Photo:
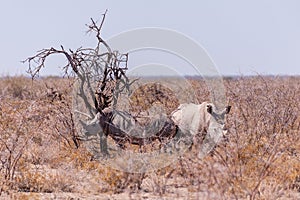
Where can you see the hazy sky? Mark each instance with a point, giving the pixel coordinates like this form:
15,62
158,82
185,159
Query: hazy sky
241,37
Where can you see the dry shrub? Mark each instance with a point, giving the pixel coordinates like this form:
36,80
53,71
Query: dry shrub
265,130
261,156
201,90
39,178
81,160
39,144
258,160
27,129
153,93
16,88
15,135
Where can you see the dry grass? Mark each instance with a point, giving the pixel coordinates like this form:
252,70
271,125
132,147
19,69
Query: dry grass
260,159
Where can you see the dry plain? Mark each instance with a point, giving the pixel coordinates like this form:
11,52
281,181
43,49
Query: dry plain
43,158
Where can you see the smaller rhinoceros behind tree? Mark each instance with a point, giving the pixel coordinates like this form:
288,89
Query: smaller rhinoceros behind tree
122,127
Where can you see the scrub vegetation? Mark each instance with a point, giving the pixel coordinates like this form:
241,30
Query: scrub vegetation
42,155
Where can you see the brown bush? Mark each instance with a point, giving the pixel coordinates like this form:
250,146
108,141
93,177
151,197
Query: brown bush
258,160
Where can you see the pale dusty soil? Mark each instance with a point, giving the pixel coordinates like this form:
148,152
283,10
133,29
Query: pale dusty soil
183,194
180,194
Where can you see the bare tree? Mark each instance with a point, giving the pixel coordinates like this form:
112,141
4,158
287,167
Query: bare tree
102,72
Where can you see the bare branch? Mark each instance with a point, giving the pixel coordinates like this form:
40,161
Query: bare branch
74,60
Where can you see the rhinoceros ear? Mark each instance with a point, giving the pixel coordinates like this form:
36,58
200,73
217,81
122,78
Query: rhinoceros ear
227,109
209,108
